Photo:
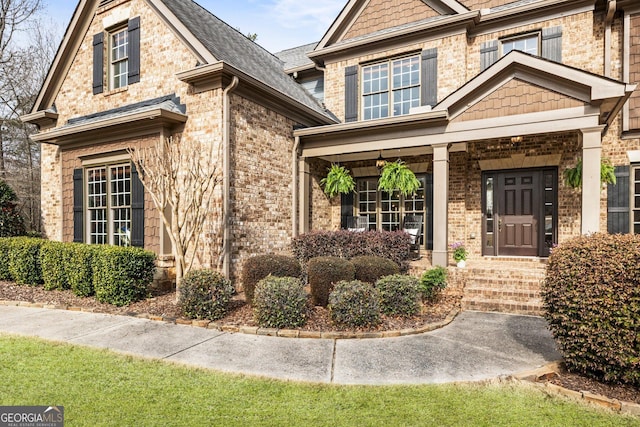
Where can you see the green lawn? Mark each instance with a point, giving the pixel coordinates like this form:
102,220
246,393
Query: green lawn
100,388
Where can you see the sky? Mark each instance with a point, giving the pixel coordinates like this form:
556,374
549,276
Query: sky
280,24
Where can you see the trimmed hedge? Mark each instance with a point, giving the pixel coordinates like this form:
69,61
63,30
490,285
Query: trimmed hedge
54,259
323,273
121,275
80,273
5,248
24,260
432,282
280,302
370,268
205,294
258,267
591,296
399,295
354,304
393,245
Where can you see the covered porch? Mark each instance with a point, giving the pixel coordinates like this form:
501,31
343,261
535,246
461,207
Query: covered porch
490,157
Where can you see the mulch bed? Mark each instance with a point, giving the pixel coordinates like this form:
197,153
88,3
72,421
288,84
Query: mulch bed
164,305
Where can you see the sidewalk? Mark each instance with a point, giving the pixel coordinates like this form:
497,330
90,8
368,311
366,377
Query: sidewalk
475,346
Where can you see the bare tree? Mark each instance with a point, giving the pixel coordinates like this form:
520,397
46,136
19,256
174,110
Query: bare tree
180,175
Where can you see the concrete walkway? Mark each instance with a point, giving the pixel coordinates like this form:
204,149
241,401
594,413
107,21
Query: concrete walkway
475,346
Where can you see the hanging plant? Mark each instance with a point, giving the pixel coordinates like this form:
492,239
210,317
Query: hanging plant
337,181
397,176
573,176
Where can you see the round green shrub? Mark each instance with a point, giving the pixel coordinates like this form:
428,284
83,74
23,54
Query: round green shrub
205,294
432,282
258,267
370,268
591,297
80,274
354,304
399,295
5,248
280,302
323,273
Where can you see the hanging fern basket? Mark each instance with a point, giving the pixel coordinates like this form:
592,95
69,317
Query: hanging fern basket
573,176
337,181
396,176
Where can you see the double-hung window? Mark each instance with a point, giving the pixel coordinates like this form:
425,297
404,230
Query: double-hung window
391,87
118,58
109,204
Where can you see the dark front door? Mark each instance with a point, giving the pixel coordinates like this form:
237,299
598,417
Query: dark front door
519,212
519,200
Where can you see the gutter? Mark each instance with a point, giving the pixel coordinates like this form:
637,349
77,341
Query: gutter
226,178
611,11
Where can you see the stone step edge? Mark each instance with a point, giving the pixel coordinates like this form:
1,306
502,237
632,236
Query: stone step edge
255,330
539,378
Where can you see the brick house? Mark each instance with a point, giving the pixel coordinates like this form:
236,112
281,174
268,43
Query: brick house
487,101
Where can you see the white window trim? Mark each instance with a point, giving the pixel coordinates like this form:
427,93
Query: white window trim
536,34
110,59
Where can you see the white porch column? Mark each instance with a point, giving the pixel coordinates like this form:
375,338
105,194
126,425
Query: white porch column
440,204
591,186
303,195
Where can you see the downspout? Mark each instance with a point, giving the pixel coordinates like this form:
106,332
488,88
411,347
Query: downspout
294,186
611,11
226,178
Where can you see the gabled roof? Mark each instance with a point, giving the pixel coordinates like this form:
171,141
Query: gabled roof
210,39
605,93
354,8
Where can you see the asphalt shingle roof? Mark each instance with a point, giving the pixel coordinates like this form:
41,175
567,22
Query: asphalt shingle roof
296,57
168,102
232,47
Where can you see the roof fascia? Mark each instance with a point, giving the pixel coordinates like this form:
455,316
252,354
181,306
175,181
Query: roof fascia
453,5
182,32
342,22
140,121
73,37
219,74
526,14
450,25
43,119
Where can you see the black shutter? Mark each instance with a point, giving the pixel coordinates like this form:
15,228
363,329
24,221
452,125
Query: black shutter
137,209
78,205
552,43
618,202
488,54
346,208
134,50
430,77
98,63
351,94
429,216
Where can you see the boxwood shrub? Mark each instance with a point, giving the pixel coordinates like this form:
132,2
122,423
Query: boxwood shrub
55,262
5,247
280,302
354,304
258,267
591,296
323,273
121,275
432,282
393,245
370,268
205,294
80,275
24,260
399,295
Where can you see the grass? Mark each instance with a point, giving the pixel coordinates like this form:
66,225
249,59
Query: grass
100,388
